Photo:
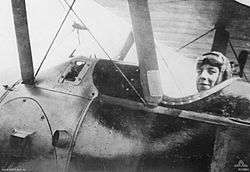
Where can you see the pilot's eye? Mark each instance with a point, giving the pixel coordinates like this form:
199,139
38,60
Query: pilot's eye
199,71
212,71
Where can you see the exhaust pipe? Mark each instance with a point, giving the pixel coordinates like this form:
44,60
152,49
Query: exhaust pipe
23,41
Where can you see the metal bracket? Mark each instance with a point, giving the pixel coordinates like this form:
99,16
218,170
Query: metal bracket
20,142
80,76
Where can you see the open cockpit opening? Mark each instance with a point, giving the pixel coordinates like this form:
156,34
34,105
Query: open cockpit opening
74,70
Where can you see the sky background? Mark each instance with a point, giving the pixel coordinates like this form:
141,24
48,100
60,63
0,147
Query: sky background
44,18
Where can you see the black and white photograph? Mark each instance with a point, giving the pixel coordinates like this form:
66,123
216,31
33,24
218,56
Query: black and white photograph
124,86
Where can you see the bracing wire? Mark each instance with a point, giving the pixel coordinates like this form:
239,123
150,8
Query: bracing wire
7,91
67,36
189,43
102,48
78,34
45,115
235,54
64,8
76,132
61,4
52,42
199,37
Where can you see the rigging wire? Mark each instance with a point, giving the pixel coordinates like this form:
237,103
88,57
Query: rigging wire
62,4
46,117
51,44
8,90
195,39
67,36
235,54
84,113
189,43
78,34
64,8
105,52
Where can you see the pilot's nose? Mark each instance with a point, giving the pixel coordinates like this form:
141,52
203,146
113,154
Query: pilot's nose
204,75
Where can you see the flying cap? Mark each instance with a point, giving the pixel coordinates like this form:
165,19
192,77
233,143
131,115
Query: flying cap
216,59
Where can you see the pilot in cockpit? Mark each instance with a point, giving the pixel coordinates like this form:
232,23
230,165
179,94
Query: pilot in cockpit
212,68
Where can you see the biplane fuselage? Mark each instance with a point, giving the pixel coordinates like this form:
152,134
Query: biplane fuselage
31,115
84,115
56,103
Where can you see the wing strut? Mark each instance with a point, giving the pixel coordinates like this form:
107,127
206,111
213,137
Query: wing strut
23,41
223,156
221,39
128,44
145,46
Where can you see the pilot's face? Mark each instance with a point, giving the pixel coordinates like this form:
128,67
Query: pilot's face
207,76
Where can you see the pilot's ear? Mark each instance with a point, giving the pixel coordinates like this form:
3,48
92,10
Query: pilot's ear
226,75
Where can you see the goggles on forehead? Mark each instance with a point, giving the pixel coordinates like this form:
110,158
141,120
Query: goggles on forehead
212,58
216,59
